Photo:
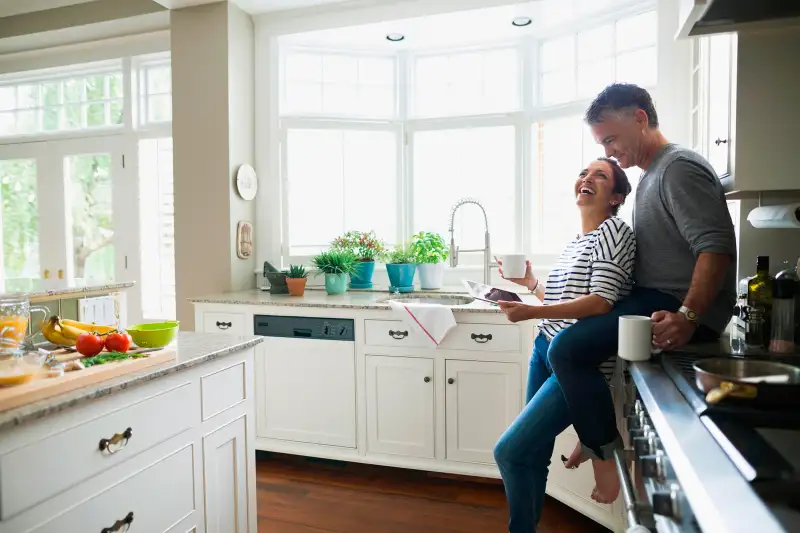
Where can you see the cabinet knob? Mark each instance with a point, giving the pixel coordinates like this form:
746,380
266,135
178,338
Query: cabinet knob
720,141
116,443
120,525
450,381
427,379
667,502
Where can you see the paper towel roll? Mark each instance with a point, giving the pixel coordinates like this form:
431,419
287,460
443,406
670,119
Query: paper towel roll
775,216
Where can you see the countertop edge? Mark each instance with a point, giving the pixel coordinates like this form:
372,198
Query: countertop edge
706,474
51,406
49,294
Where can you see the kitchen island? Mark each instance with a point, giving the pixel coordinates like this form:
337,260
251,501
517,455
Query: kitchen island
167,448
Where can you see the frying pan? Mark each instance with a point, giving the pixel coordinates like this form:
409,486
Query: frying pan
762,383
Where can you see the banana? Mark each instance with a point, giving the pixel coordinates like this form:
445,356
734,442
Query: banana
94,328
53,332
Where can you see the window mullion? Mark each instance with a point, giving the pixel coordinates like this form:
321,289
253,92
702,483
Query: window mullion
529,69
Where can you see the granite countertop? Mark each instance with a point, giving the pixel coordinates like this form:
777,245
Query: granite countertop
192,349
362,300
41,295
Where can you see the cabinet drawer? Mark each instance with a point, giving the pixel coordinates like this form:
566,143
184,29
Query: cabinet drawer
153,500
38,471
482,337
224,323
222,390
393,333
479,337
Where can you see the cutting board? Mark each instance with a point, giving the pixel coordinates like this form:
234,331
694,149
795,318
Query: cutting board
43,387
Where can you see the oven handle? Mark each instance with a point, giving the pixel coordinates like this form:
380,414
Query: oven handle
628,496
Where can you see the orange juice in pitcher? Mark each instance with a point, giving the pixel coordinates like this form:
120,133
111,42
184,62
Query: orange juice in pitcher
15,312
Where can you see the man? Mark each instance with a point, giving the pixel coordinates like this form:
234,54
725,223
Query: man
685,269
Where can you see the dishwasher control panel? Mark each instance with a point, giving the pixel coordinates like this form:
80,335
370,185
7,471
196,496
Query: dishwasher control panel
299,327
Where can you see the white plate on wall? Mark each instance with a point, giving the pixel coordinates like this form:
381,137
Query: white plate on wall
246,182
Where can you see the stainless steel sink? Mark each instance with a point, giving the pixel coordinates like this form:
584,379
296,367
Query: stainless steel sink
450,300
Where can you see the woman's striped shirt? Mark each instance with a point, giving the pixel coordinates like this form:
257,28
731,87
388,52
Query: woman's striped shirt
599,262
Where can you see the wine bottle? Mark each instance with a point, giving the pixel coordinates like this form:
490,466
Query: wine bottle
759,298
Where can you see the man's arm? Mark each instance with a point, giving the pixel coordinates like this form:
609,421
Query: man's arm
691,194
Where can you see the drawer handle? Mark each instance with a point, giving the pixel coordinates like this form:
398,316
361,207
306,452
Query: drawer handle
116,443
120,525
399,335
224,325
480,338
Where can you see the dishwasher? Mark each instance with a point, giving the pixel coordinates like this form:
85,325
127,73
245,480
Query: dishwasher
306,385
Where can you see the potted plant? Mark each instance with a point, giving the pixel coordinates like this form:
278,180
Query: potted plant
296,278
430,252
336,265
401,267
366,247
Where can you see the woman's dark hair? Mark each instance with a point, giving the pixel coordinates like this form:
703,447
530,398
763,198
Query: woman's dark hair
621,183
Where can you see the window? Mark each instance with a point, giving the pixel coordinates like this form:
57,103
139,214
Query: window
579,66
155,90
339,180
19,222
502,124
157,216
61,103
469,83
339,85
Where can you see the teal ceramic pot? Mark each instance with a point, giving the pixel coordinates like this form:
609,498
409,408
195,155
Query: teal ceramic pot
401,277
336,283
362,277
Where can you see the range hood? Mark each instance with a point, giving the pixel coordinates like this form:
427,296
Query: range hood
704,17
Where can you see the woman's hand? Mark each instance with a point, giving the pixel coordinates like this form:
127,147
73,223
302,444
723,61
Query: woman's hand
529,281
517,312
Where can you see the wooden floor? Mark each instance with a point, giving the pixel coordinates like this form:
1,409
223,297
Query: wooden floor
298,495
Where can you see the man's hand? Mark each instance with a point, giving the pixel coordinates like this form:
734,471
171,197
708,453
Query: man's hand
516,311
671,330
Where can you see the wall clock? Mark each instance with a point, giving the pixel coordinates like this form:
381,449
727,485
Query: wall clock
246,182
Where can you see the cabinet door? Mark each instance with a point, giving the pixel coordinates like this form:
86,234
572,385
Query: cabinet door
309,391
482,399
225,467
400,406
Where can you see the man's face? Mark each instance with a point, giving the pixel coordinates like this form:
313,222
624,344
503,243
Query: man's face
620,134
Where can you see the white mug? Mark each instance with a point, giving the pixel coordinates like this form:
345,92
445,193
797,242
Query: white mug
513,265
635,338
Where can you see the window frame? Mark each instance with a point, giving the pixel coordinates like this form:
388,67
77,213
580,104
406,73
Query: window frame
528,182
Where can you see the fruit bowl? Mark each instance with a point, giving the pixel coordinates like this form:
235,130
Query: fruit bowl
153,334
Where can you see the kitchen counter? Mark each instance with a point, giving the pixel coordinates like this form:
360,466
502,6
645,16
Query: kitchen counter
193,349
722,499
43,295
349,300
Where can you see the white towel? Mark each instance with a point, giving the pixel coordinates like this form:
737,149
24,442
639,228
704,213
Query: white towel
431,321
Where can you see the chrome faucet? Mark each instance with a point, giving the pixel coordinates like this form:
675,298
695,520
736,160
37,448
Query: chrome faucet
454,250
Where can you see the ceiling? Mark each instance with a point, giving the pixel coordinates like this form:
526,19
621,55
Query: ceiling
9,8
461,28
266,6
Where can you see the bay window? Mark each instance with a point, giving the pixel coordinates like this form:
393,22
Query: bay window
391,142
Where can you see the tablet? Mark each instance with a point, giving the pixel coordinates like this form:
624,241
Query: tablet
488,294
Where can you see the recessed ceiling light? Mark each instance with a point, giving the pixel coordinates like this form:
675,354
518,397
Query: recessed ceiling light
521,21
395,37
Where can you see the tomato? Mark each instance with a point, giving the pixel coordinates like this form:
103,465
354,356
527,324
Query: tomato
118,342
89,344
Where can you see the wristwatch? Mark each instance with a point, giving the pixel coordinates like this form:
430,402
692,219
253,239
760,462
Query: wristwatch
690,315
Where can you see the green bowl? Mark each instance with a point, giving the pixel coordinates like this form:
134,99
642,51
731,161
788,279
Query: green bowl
153,334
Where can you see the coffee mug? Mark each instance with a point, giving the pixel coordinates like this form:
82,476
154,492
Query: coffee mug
514,265
636,338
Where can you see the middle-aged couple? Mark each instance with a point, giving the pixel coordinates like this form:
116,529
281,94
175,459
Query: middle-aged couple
676,265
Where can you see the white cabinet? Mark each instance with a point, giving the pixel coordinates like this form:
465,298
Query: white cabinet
225,467
307,391
482,399
400,408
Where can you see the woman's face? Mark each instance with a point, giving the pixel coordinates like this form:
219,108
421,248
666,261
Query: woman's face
594,188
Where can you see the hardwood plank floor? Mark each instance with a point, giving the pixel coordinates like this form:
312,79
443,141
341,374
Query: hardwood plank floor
299,495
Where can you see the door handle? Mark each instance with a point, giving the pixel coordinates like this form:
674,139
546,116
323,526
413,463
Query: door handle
224,325
480,338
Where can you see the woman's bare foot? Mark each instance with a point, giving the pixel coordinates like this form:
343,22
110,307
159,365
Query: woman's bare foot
575,458
606,481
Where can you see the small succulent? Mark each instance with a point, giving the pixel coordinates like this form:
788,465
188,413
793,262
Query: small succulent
335,262
296,272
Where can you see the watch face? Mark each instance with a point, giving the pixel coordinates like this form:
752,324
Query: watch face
691,315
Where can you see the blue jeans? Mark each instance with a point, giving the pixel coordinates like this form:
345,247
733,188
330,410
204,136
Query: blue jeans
523,451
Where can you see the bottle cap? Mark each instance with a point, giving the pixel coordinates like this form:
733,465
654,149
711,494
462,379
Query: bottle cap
762,263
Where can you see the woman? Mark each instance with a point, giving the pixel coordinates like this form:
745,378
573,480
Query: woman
592,273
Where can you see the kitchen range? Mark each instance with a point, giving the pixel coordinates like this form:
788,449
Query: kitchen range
728,467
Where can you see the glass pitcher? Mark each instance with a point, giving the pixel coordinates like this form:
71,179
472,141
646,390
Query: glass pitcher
15,315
